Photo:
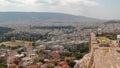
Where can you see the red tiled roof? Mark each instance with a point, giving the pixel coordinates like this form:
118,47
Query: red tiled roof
12,53
2,58
63,63
12,60
20,63
65,66
55,60
58,67
12,65
33,66
55,54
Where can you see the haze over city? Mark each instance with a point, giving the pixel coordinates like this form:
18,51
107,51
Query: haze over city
59,34
101,9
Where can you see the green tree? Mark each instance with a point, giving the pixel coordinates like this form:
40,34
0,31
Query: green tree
2,65
71,63
55,63
50,66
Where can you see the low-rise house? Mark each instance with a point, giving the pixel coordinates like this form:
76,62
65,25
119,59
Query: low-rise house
47,65
19,55
27,61
3,58
15,62
55,54
41,56
12,52
33,66
42,47
55,60
33,55
69,58
64,64
29,49
58,47
12,65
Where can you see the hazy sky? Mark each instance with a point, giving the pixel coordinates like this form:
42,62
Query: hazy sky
103,9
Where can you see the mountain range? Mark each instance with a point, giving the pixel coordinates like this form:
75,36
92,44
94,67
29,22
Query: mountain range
43,16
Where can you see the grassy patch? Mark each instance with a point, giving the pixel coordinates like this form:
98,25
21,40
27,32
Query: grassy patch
103,39
13,44
2,66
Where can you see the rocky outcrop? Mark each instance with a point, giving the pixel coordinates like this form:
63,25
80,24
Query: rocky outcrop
85,62
100,57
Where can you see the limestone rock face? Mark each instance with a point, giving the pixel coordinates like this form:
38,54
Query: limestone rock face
84,62
100,57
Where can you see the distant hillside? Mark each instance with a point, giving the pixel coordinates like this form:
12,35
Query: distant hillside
5,30
42,16
112,22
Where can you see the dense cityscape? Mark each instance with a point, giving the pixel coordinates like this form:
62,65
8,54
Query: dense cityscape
49,47
59,34
35,46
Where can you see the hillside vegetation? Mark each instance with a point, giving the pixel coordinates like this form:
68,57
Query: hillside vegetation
5,30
